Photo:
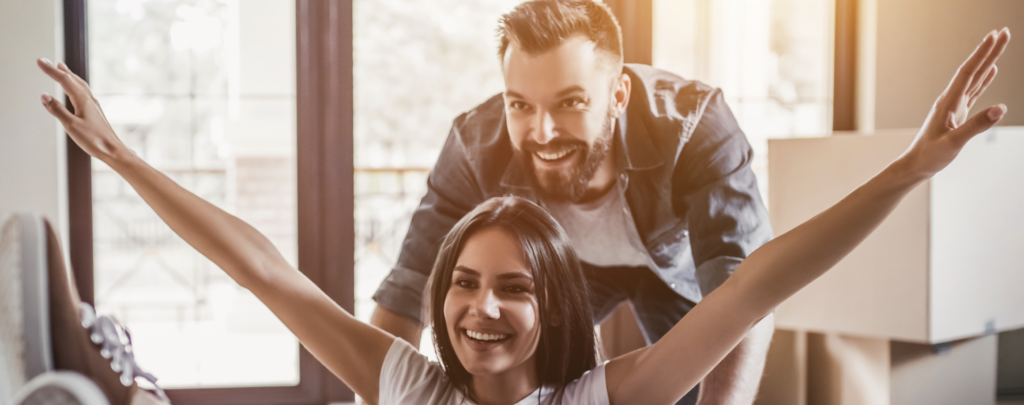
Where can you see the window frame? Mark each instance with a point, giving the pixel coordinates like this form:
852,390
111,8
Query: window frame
324,187
844,66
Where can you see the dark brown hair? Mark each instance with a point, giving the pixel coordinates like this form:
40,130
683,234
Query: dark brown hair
567,348
541,25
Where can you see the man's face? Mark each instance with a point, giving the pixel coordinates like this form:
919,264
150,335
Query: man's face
560,107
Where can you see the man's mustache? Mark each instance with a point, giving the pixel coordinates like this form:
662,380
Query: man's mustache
555,145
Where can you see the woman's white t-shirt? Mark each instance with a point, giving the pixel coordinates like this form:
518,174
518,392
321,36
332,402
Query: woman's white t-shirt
407,377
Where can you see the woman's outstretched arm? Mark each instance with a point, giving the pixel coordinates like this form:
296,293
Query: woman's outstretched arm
352,350
665,371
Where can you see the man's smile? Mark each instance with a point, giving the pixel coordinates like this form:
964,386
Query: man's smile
555,158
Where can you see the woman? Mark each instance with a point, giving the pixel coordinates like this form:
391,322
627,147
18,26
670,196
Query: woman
508,304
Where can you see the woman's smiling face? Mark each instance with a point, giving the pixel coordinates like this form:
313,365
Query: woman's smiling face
491,307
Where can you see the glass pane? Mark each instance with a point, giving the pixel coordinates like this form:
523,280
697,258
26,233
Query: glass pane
203,90
417,66
772,60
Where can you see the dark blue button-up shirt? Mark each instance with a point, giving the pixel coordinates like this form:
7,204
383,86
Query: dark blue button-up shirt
689,186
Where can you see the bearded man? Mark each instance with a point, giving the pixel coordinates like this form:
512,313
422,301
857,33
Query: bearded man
648,173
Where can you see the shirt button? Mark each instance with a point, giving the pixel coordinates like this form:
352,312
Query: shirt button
673,285
686,233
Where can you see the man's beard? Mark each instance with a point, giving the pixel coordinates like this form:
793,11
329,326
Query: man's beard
568,185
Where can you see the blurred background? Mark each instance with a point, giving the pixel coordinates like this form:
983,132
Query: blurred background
206,91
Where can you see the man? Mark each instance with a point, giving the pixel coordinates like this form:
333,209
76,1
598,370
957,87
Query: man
648,173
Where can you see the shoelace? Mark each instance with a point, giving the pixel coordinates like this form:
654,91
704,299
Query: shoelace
116,345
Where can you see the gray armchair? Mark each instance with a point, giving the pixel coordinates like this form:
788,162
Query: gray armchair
27,375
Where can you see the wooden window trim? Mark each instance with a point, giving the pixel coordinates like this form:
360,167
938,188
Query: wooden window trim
620,332
636,18
844,77
325,187
76,51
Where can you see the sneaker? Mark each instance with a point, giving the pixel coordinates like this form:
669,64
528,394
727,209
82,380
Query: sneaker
97,347
25,350
60,388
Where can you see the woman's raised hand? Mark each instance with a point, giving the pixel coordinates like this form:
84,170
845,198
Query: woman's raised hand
947,129
352,350
88,127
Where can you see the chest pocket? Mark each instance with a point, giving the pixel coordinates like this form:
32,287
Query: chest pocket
671,248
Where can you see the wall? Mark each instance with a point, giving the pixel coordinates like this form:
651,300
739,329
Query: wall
920,44
32,149
917,46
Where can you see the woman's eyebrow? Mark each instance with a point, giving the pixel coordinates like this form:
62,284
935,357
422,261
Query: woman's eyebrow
467,270
512,275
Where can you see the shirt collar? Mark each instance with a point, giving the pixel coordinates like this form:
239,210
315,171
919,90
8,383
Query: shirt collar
635,151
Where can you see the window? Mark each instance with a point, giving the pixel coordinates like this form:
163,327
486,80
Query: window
204,91
238,78
417,66
772,60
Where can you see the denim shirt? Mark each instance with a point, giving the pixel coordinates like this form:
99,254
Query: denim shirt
684,162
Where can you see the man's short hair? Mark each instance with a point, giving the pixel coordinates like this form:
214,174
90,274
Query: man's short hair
541,25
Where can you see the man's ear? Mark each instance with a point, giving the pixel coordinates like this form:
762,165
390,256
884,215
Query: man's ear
620,93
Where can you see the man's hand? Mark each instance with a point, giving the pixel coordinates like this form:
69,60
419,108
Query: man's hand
946,129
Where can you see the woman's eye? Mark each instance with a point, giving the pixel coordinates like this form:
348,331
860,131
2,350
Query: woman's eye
463,283
518,105
515,289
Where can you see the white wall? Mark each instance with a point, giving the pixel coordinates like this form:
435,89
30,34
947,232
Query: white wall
33,175
920,44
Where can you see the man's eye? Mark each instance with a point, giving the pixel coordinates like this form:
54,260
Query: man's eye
572,102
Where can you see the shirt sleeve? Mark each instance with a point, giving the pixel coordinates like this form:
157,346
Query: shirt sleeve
590,389
716,186
452,191
408,375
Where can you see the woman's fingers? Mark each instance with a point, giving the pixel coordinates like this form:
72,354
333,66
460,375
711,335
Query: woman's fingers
973,97
75,92
962,80
57,109
78,79
82,83
984,70
977,124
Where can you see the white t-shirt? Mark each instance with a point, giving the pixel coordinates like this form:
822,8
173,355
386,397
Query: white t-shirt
602,231
407,377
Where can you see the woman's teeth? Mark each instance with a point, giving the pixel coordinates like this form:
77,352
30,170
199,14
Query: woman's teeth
485,336
554,156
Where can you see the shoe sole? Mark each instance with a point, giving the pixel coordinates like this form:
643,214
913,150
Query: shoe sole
61,387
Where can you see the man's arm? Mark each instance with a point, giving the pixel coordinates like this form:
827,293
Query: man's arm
398,325
728,221
735,380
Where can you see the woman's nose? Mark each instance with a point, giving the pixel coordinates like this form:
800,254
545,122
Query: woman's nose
486,305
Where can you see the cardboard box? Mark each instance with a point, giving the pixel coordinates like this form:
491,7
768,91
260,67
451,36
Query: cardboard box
947,264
